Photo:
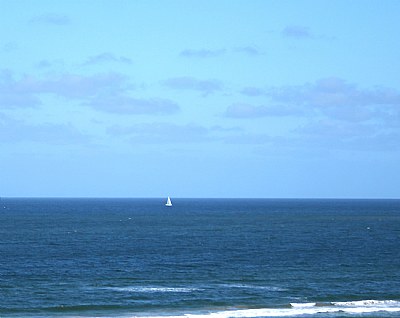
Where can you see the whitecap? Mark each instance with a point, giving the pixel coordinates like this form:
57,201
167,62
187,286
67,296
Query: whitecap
302,305
297,309
152,289
249,286
368,303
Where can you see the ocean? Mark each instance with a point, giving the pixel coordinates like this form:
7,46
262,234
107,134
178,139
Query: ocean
200,258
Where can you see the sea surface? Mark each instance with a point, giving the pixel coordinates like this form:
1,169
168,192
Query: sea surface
201,258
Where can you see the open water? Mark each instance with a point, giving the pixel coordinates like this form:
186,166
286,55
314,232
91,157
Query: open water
200,258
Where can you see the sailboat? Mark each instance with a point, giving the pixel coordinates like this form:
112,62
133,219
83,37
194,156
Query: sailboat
169,203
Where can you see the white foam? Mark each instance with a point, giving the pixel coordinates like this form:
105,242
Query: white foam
145,289
368,303
302,305
249,286
297,309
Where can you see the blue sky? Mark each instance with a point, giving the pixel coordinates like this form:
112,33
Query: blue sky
274,99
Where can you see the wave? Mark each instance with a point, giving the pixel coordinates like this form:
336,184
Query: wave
302,305
256,287
368,303
291,310
163,289
296,309
146,289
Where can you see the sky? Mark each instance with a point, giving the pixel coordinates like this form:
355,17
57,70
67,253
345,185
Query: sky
227,98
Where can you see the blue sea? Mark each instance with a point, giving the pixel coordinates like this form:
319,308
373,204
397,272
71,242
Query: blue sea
200,258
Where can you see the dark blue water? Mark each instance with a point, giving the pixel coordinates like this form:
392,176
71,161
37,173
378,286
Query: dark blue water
201,258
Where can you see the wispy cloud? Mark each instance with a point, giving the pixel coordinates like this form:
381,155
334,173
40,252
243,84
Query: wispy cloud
332,97
13,94
249,139
107,57
129,105
329,113
162,133
251,111
9,47
297,31
109,92
79,86
49,64
12,131
190,83
335,134
303,33
65,85
253,91
52,19
202,53
335,97
249,50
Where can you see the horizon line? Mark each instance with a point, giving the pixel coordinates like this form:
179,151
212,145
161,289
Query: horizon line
200,198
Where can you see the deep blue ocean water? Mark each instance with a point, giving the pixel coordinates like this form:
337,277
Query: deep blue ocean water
201,258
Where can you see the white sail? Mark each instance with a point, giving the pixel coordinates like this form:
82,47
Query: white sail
169,203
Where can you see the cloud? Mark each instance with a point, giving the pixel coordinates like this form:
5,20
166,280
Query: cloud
12,131
249,50
107,92
249,139
331,97
296,31
202,53
251,111
253,91
107,57
51,18
336,98
190,83
335,134
162,133
332,129
129,105
330,114
9,47
206,53
28,88
50,64
302,32
79,86
13,94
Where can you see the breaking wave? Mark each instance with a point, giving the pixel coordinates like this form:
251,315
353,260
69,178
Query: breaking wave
142,289
297,309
